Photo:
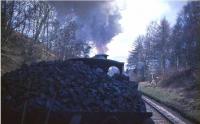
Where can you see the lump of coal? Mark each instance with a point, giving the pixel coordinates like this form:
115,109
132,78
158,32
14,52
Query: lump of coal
71,87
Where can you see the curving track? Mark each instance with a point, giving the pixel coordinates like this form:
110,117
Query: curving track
161,115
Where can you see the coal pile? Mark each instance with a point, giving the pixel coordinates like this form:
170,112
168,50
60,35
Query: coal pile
68,87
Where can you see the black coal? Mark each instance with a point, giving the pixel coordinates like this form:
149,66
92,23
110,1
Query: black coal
71,87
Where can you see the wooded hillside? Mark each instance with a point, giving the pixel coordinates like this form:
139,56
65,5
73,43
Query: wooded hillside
31,32
37,20
21,50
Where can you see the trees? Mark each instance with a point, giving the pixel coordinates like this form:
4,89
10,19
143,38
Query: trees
7,12
152,48
37,20
163,45
191,32
176,47
177,41
186,36
137,56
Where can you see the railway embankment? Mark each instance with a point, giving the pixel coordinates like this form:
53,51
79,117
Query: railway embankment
179,92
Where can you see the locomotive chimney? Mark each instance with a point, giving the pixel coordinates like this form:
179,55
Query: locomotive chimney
101,56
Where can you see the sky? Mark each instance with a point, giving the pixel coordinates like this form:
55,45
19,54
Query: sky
135,17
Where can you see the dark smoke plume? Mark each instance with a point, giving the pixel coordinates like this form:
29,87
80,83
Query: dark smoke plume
97,21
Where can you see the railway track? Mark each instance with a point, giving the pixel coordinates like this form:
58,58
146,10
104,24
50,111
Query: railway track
160,114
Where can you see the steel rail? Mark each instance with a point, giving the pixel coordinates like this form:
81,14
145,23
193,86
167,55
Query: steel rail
164,112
